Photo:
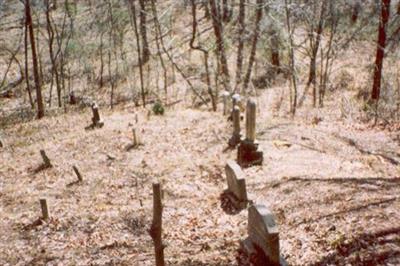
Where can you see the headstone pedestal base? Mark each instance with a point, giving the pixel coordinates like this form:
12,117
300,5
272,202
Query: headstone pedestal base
97,124
248,154
231,204
256,256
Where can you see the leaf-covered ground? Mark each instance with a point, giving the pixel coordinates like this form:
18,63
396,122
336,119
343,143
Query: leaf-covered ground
334,189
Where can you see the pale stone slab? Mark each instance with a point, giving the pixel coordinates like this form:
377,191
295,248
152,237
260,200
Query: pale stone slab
264,232
236,181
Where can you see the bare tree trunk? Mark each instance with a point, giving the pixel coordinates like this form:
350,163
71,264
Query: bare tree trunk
111,81
133,11
356,11
218,31
205,53
254,45
54,70
328,61
112,76
158,35
101,83
206,10
293,100
36,76
226,11
26,54
315,47
156,226
275,60
175,65
239,60
380,51
143,32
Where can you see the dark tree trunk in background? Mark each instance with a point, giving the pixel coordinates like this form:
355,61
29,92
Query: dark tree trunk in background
143,32
314,52
205,53
135,26
356,11
218,31
380,52
101,83
40,111
239,60
54,70
226,11
26,53
254,45
275,60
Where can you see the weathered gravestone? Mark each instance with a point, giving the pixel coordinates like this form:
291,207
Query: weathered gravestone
262,244
96,120
248,153
236,136
234,198
225,97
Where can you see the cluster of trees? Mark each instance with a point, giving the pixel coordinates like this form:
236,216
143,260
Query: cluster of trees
105,42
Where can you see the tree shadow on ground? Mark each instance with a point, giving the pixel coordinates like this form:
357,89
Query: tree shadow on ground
375,181
353,209
350,253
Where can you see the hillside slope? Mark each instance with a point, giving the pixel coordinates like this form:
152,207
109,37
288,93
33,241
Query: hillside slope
332,187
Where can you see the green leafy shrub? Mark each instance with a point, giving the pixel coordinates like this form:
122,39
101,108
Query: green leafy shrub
158,108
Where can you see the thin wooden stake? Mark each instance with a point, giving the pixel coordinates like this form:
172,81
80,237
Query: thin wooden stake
156,226
135,141
46,160
78,174
45,210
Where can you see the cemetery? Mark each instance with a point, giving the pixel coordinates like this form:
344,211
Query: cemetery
213,206
200,132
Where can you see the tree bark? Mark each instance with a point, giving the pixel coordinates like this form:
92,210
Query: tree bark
133,11
158,36
254,45
218,31
239,60
54,70
143,32
356,11
293,96
274,41
26,54
380,51
226,11
156,226
40,111
205,53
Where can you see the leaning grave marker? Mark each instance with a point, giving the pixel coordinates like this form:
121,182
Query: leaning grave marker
262,243
234,198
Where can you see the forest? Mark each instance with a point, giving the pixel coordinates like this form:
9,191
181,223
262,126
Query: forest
200,132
